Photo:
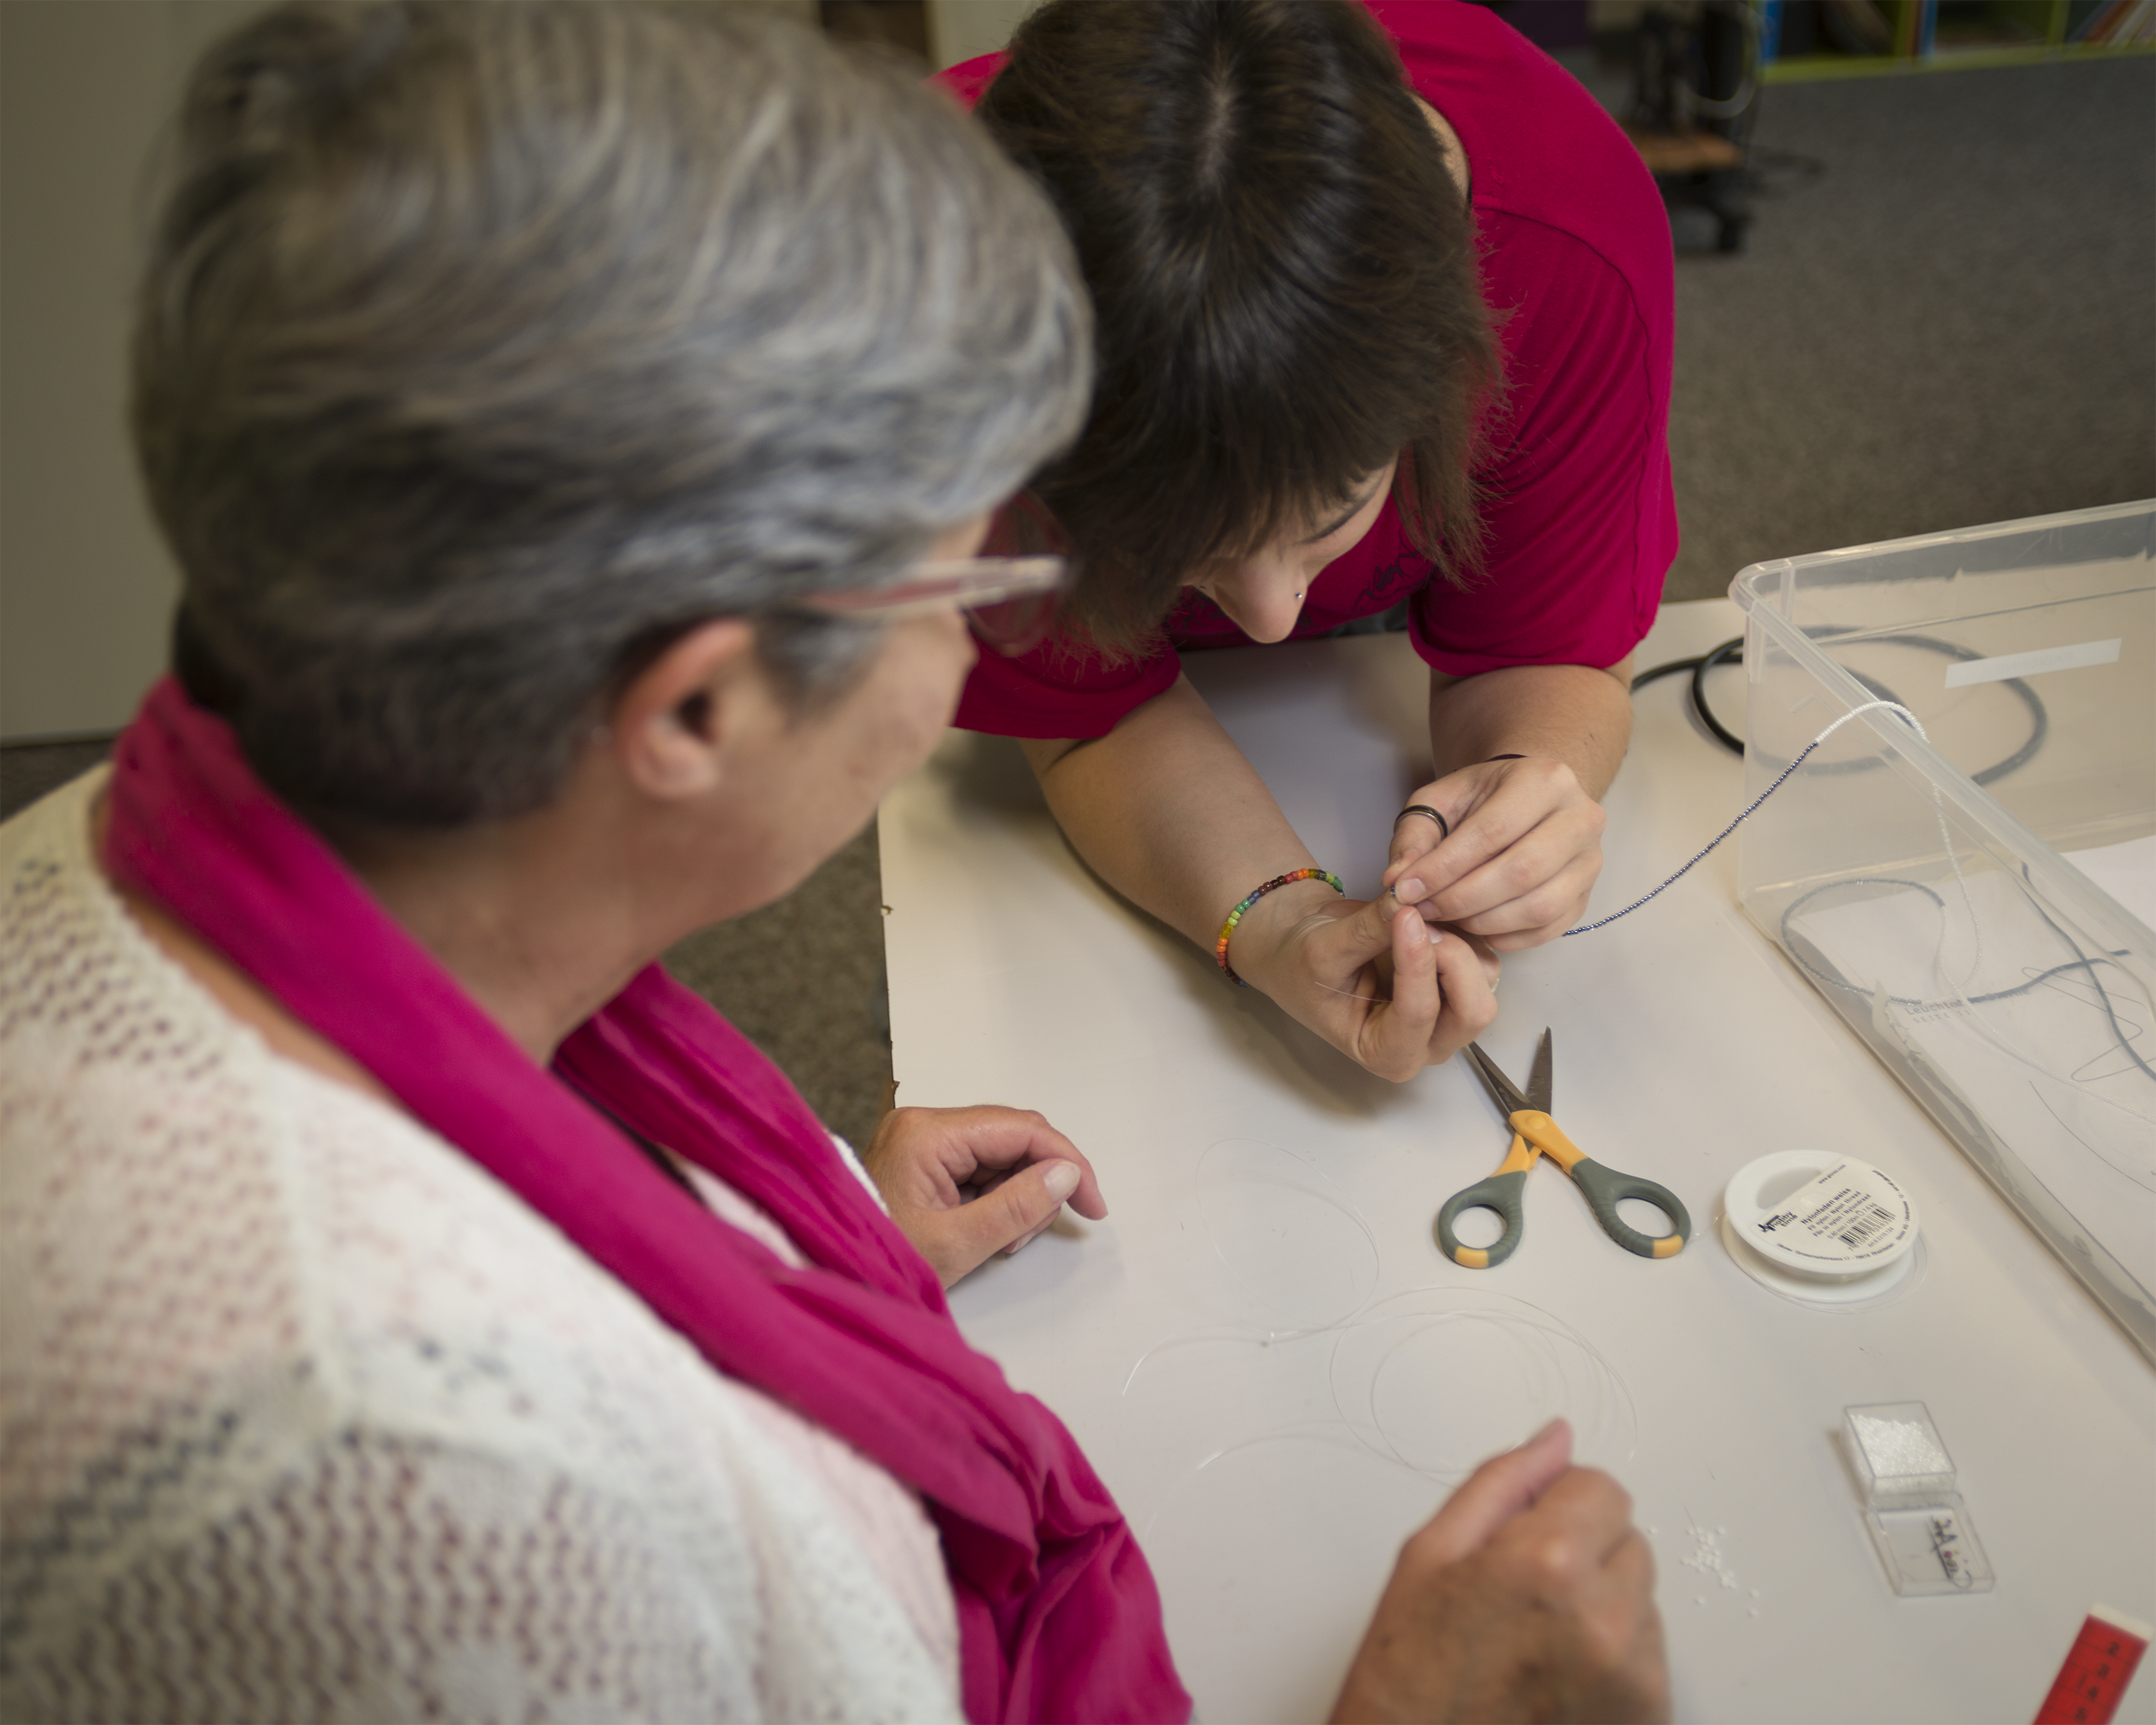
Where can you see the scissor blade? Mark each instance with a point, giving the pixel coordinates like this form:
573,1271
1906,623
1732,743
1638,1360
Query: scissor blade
1502,1091
1539,1076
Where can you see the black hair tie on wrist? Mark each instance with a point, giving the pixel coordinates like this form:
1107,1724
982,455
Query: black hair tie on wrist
1505,757
1443,826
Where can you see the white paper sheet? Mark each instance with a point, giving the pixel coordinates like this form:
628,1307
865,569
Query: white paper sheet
2128,872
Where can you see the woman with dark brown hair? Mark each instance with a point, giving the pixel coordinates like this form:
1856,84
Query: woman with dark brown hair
574,425
1384,307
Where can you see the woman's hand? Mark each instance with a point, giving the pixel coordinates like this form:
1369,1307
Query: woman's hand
1529,1595
965,1184
1371,977
1524,852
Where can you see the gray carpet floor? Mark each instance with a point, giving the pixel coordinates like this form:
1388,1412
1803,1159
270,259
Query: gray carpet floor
1953,323
1945,315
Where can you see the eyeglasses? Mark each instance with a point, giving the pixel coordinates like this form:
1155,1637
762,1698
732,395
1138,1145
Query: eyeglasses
1009,602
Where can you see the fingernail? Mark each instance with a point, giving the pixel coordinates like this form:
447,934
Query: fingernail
1062,1179
1409,891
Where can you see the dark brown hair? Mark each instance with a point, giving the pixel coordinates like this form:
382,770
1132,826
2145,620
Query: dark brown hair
1284,282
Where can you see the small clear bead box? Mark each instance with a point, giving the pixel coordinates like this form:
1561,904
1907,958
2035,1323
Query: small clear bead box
1917,1516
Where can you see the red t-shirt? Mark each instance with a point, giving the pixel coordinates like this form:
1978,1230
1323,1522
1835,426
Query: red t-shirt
1582,515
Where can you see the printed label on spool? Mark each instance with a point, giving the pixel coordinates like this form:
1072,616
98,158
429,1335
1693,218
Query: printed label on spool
1842,1220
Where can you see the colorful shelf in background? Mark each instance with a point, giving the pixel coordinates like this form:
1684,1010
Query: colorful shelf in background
1890,38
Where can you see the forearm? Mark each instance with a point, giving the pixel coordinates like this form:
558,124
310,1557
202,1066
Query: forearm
1166,809
1168,812
1571,713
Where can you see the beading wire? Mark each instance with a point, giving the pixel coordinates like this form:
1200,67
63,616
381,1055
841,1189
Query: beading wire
1868,706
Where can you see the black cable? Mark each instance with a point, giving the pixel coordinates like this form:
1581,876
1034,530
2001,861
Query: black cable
1670,669
2040,720
1731,652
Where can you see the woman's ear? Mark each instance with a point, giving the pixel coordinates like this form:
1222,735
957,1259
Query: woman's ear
669,726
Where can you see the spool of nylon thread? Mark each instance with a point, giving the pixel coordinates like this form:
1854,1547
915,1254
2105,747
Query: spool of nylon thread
1821,1228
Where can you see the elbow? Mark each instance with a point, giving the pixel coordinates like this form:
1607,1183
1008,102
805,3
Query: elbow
1044,753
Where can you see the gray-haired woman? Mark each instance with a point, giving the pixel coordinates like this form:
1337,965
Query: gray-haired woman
567,418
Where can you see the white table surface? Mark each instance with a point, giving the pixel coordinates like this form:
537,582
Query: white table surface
1279,1376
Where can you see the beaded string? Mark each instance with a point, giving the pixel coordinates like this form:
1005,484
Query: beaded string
1895,706
1236,916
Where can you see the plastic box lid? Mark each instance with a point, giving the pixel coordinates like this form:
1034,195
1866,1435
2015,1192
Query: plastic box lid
1962,896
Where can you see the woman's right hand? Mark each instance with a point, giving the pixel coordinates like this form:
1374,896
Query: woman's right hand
1168,811
1382,986
1529,1595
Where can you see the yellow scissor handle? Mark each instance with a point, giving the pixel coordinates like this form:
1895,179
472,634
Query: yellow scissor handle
1535,1133
1538,1129
1605,1187
1522,1155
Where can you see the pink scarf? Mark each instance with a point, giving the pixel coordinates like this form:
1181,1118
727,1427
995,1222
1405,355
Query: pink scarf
1058,1615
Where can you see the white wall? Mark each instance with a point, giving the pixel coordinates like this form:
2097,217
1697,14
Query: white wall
959,29
86,88
85,589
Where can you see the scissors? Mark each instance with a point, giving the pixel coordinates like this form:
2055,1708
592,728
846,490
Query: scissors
1533,1132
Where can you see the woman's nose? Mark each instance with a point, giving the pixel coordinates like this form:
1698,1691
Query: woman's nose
1262,596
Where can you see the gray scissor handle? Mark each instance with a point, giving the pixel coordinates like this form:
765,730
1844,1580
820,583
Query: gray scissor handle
1503,1192
1604,1186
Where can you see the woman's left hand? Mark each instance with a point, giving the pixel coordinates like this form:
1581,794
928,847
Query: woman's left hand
1524,852
965,1184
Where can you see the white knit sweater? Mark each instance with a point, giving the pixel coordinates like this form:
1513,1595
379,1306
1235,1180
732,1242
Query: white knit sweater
304,1416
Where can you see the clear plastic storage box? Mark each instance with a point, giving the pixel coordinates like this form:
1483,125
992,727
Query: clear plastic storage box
1976,900
1917,1516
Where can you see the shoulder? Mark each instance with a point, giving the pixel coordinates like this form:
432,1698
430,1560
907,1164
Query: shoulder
1555,291
1589,363
1541,150
274,1347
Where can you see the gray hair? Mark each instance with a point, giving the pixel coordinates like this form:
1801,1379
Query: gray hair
484,348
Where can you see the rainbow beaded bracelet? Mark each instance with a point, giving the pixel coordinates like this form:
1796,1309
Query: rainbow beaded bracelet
1236,916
